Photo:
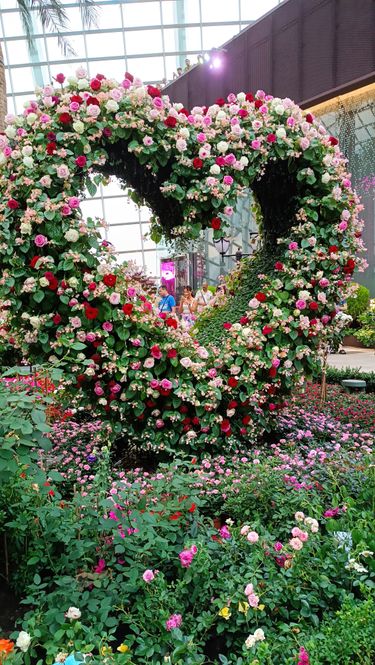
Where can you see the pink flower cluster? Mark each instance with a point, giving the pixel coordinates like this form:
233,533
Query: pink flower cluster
187,555
174,621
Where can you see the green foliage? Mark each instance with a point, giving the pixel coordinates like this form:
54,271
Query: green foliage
336,375
366,334
358,302
347,639
23,425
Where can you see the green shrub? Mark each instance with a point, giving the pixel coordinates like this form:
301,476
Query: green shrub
336,375
358,302
366,334
349,639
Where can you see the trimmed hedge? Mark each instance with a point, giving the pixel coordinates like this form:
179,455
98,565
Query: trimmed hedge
335,375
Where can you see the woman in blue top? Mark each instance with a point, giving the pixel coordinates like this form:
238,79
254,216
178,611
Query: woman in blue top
167,304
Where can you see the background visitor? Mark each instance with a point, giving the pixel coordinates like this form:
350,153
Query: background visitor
167,304
202,298
186,307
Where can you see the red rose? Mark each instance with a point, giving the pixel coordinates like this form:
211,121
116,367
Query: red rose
243,113
261,297
333,249
272,372
309,118
130,77
170,121
220,101
197,163
244,320
232,404
225,426
91,286
51,147
333,140
95,84
246,420
227,325
34,261
53,283
313,306
81,378
81,161
279,265
232,382
171,322
183,409
91,313
65,118
220,161
153,92
60,78
192,508
172,353
249,97
77,99
92,100
267,330
127,308
109,280
258,103
271,138
272,406
13,204
57,319
216,223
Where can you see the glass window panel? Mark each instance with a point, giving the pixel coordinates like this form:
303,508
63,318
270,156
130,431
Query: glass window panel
143,41
107,43
254,9
114,68
215,36
192,13
92,208
171,64
10,105
193,39
20,100
9,4
113,188
125,238
170,40
119,210
23,79
109,15
18,52
145,213
152,263
12,24
74,18
141,13
221,11
136,257
54,50
147,69
169,12
78,44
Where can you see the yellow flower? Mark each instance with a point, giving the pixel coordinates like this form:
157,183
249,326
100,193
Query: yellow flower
224,612
261,607
123,648
105,651
243,607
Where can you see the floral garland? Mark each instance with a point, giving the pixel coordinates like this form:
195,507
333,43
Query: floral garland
68,302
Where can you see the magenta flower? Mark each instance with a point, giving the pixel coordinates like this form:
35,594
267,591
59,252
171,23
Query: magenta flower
174,621
303,657
186,557
40,240
225,533
148,576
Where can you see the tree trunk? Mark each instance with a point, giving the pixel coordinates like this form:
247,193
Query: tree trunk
3,92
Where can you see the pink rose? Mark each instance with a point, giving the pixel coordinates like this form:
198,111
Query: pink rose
166,384
148,576
255,144
186,557
73,201
296,543
228,180
98,390
114,298
159,423
343,226
293,245
154,383
253,600
230,159
301,304
75,322
90,337
249,589
131,292
107,326
278,546
40,240
252,537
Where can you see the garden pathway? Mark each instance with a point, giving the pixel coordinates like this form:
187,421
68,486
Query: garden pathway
363,359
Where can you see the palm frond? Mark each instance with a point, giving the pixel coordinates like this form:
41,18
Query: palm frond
89,13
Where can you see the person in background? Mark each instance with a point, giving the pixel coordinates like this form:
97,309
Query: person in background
167,304
187,65
186,307
202,298
219,296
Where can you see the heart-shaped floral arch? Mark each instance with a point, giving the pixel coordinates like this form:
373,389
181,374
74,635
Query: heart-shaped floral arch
67,301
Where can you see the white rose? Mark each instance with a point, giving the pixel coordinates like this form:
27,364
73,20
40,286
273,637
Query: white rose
279,109
82,84
222,146
3,159
35,321
26,151
25,228
215,169
280,133
241,97
31,118
184,133
73,613
28,162
23,640
244,160
72,235
250,641
81,73
221,115
78,127
72,80
73,282
43,281
112,106
326,177
259,634
10,132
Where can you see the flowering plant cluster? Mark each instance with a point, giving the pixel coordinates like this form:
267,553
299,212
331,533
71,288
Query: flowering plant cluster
67,301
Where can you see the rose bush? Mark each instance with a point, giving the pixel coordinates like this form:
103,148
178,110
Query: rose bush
68,302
